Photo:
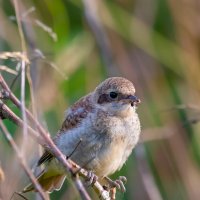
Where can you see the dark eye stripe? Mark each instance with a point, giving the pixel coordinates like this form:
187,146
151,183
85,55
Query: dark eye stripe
104,98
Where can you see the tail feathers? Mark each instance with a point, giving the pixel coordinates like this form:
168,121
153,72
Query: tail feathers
48,183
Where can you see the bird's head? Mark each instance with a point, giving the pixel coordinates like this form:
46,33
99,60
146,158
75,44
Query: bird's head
117,96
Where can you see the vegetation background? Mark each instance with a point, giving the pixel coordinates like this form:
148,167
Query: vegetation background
74,45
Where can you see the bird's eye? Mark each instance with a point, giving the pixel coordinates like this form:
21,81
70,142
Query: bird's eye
113,95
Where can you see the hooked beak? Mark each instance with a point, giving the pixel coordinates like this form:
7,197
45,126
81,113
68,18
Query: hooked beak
134,100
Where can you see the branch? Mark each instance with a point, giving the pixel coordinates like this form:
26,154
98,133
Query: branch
22,161
6,113
69,165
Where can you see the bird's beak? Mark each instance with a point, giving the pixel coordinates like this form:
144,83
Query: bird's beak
134,100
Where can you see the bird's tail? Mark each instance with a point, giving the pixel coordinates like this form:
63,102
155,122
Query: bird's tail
49,181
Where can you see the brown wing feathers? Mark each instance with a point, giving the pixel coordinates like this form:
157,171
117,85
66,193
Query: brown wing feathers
71,121
77,113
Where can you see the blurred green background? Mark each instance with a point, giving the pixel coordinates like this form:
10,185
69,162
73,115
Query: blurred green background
74,45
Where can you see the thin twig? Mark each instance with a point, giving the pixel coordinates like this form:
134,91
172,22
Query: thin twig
24,117
183,107
43,133
102,193
23,71
6,113
21,34
19,194
22,161
38,54
147,178
81,189
73,166
7,69
28,12
47,29
69,165
14,81
2,176
14,55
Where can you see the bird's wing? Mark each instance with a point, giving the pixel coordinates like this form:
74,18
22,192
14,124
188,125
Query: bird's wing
47,156
74,115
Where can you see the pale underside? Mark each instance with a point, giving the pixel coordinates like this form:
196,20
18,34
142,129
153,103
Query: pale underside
102,142
98,133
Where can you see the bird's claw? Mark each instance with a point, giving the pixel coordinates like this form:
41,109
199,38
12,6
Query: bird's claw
119,183
91,178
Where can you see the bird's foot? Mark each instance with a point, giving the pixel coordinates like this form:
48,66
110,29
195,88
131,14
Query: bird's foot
118,184
91,178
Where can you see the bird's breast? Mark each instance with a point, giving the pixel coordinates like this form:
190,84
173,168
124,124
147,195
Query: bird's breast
122,134
106,142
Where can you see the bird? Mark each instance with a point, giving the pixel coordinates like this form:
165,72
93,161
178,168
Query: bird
99,133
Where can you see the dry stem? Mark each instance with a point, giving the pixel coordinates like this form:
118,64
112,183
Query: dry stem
69,165
22,161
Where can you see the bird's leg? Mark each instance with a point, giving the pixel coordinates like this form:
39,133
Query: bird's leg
91,178
113,193
118,184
